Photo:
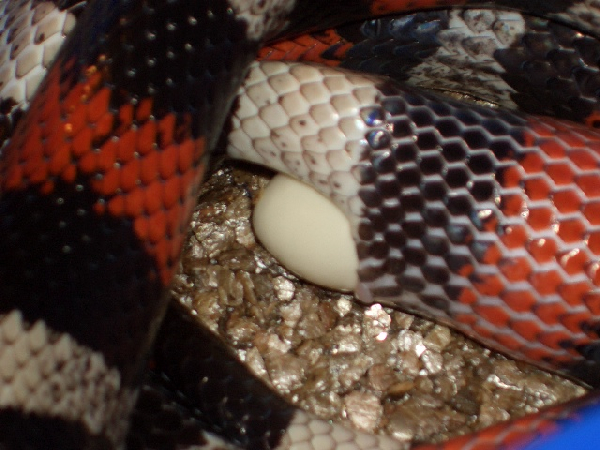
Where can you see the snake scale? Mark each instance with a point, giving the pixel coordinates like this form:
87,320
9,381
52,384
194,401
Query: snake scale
483,218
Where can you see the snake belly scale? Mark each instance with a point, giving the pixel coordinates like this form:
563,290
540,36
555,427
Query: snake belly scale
98,180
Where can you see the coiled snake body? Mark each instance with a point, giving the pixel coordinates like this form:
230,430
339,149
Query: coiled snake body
486,219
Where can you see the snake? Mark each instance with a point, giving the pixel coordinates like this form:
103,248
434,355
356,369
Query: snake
485,219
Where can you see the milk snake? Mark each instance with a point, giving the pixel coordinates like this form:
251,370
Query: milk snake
99,177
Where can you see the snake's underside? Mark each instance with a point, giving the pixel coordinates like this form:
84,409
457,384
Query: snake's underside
484,219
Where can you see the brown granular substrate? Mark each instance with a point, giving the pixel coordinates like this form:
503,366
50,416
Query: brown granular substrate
378,368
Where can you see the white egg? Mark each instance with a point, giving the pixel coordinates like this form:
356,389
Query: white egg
307,233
